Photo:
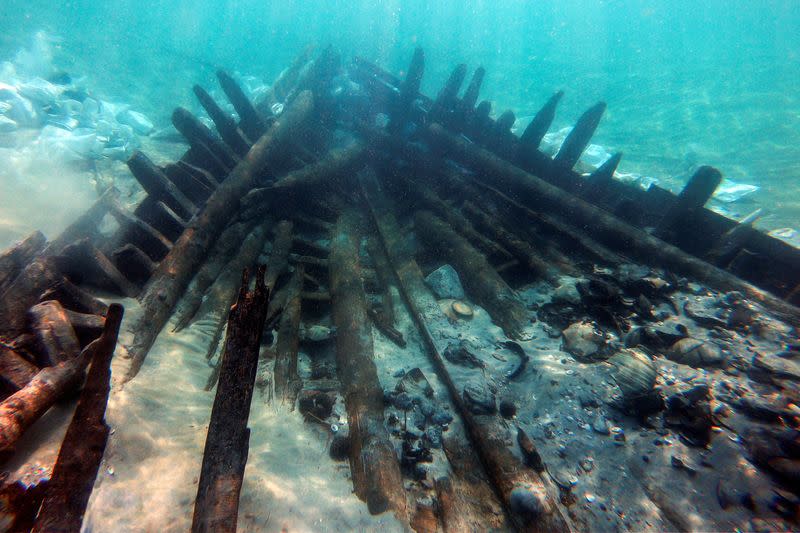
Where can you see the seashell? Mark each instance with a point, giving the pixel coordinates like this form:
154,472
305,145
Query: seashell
695,353
462,309
634,373
584,342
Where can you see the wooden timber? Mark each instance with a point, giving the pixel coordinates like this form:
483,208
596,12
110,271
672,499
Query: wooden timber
287,381
225,454
16,258
373,462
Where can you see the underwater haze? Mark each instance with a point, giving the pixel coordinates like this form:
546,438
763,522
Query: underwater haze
686,82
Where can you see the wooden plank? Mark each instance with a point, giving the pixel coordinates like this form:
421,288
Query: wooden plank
227,444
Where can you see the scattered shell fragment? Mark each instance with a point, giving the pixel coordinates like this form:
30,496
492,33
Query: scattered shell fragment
462,309
634,373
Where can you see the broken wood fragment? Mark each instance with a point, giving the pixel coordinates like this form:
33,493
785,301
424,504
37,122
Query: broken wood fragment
195,189
160,216
221,253
227,443
176,270
532,137
335,164
287,381
82,449
17,257
279,257
55,336
470,97
693,196
85,264
74,298
136,231
199,136
15,371
480,280
24,292
409,88
373,462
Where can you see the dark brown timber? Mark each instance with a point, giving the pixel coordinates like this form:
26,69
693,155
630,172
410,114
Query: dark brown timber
287,381
85,441
227,444
373,463
16,258
177,268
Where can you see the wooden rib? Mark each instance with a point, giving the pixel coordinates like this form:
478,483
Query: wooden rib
602,176
446,99
693,196
225,124
196,190
470,97
198,134
249,120
409,89
287,380
532,137
577,139
158,185
16,258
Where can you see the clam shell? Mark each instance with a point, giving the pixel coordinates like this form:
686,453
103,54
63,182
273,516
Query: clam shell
634,373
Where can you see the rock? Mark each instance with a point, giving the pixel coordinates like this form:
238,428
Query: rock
656,338
689,412
584,342
695,353
415,384
778,367
600,424
433,435
403,401
442,418
140,123
587,464
445,283
460,353
40,91
703,310
761,409
527,502
508,409
316,333
479,398
567,292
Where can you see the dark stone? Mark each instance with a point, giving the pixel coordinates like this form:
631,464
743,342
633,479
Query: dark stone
508,409
479,398
459,353
415,384
340,447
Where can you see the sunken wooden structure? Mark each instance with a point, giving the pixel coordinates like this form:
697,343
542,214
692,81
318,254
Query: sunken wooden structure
279,180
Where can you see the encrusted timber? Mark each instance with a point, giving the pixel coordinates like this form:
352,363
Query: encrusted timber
768,262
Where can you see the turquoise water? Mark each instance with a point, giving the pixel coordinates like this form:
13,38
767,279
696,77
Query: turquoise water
685,83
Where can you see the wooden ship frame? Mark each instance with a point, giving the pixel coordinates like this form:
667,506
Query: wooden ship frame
487,201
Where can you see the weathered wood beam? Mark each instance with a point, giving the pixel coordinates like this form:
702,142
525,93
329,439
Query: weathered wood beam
225,124
521,249
82,449
176,270
693,196
603,226
279,257
473,90
85,264
160,216
17,257
532,137
15,371
577,139
55,336
198,135
227,443
373,463
228,244
480,280
134,264
197,190
409,89
74,298
334,165
249,120
287,380
158,185
24,292
136,231
445,102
